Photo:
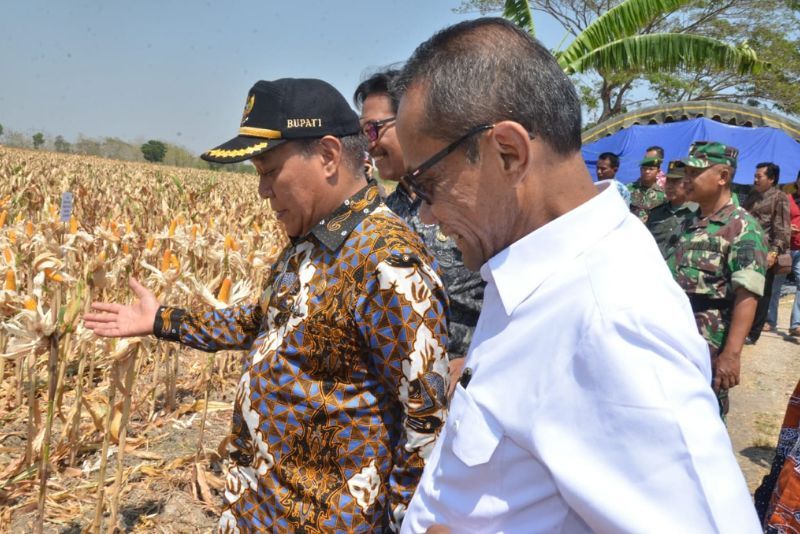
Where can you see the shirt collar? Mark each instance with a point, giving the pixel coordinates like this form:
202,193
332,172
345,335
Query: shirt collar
522,267
334,229
686,206
639,185
757,195
722,214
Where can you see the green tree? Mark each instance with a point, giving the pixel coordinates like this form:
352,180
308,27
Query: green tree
116,148
61,145
774,88
154,150
38,140
1,129
87,146
619,43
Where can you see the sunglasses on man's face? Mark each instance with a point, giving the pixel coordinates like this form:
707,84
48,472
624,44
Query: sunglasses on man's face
372,129
424,188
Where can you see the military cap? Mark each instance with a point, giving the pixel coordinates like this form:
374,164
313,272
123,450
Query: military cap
676,170
704,154
650,161
281,110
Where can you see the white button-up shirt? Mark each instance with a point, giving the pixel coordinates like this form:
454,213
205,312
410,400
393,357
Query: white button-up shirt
589,407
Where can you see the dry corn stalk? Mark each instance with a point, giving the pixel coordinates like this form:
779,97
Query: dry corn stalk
122,217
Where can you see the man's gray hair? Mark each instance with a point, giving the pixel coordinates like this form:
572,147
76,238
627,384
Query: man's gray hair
488,70
353,149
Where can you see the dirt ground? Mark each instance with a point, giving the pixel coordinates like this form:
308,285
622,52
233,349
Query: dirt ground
770,371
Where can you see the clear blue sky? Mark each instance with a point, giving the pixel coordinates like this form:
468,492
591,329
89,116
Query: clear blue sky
179,70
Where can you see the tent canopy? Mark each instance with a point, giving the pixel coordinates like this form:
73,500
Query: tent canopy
756,145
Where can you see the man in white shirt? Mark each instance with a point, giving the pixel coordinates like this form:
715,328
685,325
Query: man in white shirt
585,405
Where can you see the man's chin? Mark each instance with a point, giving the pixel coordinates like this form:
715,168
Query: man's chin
471,262
290,231
386,173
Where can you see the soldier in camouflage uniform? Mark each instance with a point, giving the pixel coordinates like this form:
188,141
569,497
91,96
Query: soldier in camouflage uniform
646,194
719,261
666,221
464,288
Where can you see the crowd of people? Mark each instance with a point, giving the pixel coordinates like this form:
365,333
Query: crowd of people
500,345
775,208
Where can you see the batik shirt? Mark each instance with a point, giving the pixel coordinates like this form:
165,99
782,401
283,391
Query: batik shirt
715,256
464,287
777,499
343,391
771,210
667,222
643,199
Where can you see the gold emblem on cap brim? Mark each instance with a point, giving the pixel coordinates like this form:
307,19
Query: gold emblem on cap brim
248,108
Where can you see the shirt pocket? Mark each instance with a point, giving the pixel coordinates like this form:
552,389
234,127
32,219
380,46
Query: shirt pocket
705,255
475,433
703,260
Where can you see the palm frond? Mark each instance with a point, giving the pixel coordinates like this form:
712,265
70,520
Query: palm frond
666,52
624,20
519,12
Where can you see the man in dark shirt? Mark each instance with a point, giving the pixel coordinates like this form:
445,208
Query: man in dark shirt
666,222
770,206
464,287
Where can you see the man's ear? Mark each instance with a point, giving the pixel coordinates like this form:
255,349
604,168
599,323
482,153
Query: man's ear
725,175
513,147
331,154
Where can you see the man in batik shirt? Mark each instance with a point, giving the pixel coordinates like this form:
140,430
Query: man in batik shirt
770,207
719,262
778,497
344,388
646,194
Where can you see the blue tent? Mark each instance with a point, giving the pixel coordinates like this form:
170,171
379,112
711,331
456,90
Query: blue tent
755,145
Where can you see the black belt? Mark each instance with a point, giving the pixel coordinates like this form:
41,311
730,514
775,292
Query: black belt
702,303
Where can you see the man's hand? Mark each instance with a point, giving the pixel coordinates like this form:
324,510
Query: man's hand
726,370
456,368
772,257
117,320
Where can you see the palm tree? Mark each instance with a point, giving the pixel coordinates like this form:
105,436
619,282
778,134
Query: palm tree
614,43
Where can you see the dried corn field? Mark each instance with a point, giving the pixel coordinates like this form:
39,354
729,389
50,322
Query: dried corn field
99,435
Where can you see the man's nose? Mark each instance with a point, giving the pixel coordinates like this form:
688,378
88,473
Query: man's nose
265,189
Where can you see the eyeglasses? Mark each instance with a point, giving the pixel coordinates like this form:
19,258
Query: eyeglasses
424,188
372,129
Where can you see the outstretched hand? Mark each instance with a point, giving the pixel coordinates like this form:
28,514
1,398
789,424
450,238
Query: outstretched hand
117,320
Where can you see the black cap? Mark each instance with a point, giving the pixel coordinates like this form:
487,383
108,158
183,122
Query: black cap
280,110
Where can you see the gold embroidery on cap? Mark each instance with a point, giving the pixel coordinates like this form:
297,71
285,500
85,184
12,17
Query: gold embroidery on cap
248,108
223,153
304,123
259,132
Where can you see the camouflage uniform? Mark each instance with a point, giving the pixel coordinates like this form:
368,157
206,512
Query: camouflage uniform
715,256
667,223
643,199
464,287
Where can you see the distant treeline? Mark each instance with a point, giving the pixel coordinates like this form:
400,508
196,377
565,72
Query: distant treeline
114,148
